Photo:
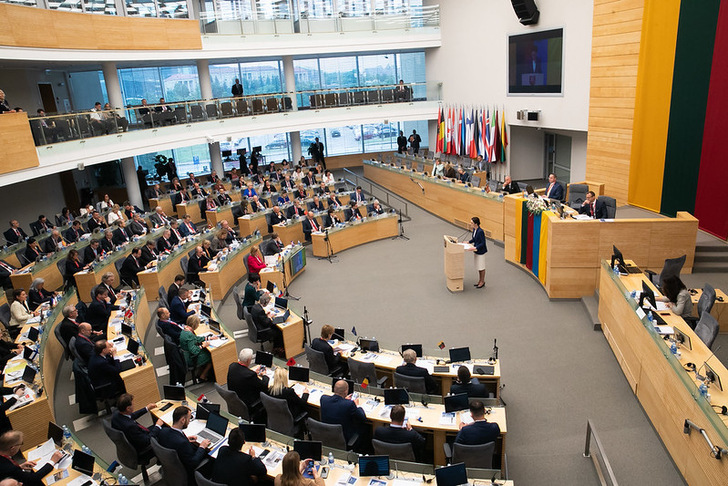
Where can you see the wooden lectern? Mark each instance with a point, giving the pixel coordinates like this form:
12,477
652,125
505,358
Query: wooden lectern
454,263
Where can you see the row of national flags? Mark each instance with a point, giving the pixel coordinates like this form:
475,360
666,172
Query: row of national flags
471,132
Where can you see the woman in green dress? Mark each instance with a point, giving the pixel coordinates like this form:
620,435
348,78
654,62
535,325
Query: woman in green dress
195,349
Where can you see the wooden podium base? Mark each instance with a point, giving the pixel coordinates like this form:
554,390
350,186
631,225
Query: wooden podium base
455,284
454,264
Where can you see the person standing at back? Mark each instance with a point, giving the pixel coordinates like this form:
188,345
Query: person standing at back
415,141
237,89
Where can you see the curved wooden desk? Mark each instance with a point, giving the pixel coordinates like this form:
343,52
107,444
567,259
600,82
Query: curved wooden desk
340,239
222,275
667,391
165,202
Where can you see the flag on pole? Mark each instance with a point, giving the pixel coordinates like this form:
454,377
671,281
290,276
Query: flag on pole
441,345
488,138
291,362
468,132
504,136
496,138
462,132
440,130
353,331
475,136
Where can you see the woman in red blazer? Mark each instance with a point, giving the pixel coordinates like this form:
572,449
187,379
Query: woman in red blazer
255,261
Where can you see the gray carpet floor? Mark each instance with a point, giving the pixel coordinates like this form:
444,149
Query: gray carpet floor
557,371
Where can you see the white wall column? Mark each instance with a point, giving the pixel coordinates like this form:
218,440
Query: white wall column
290,78
113,88
295,147
133,191
203,73
216,158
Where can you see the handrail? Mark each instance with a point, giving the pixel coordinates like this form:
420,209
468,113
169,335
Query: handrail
609,479
715,451
359,181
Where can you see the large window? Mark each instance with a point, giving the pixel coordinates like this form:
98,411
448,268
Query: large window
343,140
195,158
261,77
222,77
173,83
376,70
180,83
338,72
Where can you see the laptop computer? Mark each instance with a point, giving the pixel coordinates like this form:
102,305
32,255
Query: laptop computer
455,403
270,286
172,392
215,429
339,333
33,334
396,396
29,374
458,355
56,433
281,318
214,326
132,346
281,302
206,310
205,409
253,432
83,463
454,475
264,358
369,344
374,466
417,348
308,449
298,373
29,353
126,329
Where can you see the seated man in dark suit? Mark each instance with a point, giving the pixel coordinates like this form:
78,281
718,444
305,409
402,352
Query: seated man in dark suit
316,204
187,228
122,235
174,233
272,246
84,342
6,270
275,217
463,176
92,252
330,218
554,190
358,196
10,444
15,233
310,225
247,383
196,264
190,454
233,466
96,221
138,226
510,186
124,419
99,310
333,201
164,243
340,409
352,213
149,253
252,290
68,326
256,204
132,266
74,233
169,327
41,226
263,322
54,242
466,384
480,431
104,371
107,242
333,359
593,206
178,309
173,290
411,369
400,433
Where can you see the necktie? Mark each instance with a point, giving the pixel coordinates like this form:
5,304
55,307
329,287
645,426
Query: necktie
11,460
142,427
313,225
17,232
549,191
593,205
176,233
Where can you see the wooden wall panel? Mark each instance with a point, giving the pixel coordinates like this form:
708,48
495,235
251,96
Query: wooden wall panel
20,152
69,30
616,35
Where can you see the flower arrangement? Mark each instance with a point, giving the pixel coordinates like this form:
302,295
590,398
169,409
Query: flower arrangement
535,204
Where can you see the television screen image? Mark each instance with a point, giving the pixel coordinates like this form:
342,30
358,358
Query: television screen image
535,62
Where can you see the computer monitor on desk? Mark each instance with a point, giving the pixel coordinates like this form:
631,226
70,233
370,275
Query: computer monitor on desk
417,348
648,294
454,475
712,376
459,355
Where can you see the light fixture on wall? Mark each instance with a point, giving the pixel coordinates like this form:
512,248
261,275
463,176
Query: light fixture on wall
528,115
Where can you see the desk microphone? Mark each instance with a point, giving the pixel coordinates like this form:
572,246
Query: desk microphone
697,371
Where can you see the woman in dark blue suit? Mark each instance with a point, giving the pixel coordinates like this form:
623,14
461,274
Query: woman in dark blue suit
478,241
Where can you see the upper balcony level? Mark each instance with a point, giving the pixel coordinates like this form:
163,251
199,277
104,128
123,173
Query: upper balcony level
197,29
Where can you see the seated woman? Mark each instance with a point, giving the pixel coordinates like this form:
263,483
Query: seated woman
114,215
37,295
19,312
677,296
280,389
195,349
256,263
292,472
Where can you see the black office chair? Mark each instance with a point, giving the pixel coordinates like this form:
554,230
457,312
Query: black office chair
173,471
203,481
184,264
611,205
577,195
126,453
5,315
360,371
671,268
163,297
235,405
474,456
72,349
279,417
57,333
413,384
402,452
238,303
254,334
118,263
707,329
330,434
317,362
705,304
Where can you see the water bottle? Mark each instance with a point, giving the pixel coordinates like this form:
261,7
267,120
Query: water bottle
616,270
649,318
331,458
123,480
86,449
703,388
66,434
673,347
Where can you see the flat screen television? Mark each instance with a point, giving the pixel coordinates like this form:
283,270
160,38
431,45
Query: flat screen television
298,261
535,62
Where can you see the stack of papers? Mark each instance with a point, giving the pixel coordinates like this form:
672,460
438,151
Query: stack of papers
41,455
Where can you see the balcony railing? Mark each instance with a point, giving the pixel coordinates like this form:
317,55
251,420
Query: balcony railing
82,125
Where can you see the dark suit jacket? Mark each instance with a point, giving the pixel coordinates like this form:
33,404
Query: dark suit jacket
72,234
11,237
512,188
129,270
189,454
361,199
234,468
37,297
121,236
251,295
148,255
195,265
319,207
308,228
557,192
171,329
400,435
108,245
478,241
163,245
136,228
350,214
98,314
72,267
478,433
329,221
411,369
50,245
339,410
260,318
84,348
297,405
246,383
103,370
185,231
135,434
31,254
88,254
291,212
272,247
38,228
172,292
68,329
30,478
600,210
320,345
178,312
93,224
472,389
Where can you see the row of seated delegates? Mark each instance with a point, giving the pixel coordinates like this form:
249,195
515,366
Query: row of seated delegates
160,114
105,121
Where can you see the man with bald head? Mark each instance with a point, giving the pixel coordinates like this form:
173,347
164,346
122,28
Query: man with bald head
510,187
159,218
84,343
339,408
